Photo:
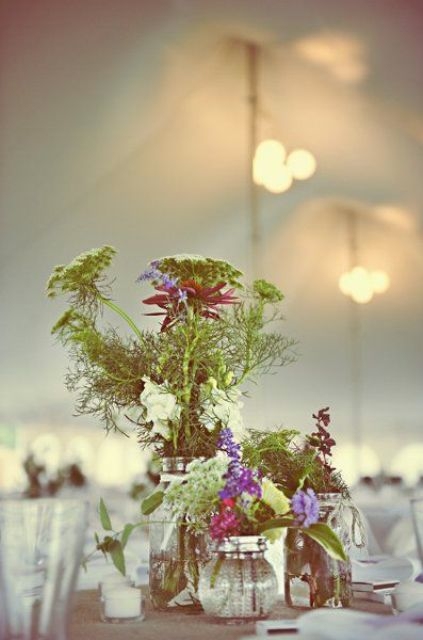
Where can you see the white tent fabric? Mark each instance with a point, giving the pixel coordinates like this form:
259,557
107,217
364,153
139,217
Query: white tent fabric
125,122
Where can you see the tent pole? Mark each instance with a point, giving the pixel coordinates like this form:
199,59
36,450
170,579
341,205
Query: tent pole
356,343
255,235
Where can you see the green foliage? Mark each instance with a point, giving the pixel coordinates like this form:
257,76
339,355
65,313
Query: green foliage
126,533
108,370
113,544
151,502
291,465
267,291
104,516
83,278
327,539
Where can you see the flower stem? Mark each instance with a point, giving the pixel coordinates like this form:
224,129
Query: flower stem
122,314
189,369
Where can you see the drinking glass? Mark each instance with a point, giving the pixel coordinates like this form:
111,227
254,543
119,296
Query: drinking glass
41,546
417,517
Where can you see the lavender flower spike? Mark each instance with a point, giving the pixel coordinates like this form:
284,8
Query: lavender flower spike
151,273
168,283
227,443
239,479
305,506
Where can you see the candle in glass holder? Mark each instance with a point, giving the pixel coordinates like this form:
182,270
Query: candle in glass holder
112,580
122,604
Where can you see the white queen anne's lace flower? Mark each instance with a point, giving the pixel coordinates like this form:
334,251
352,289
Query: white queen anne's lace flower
193,495
161,407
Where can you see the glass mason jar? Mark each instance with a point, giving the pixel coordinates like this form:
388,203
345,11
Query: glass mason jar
312,577
238,584
175,552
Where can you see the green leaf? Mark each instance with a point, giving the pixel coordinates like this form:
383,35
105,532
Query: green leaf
151,503
127,530
274,523
118,558
327,538
104,516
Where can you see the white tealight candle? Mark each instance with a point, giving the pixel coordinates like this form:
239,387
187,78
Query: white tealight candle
122,603
112,580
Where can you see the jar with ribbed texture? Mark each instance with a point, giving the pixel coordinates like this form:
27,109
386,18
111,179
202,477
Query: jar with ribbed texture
238,584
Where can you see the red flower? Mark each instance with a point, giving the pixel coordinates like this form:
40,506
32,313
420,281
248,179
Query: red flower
227,502
174,301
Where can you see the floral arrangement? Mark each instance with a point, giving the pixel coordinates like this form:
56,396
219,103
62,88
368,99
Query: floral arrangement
302,468
295,462
228,498
181,385
223,497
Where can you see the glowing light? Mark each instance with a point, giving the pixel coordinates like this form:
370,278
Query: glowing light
361,284
362,295
270,170
345,283
380,281
268,158
301,163
278,180
271,149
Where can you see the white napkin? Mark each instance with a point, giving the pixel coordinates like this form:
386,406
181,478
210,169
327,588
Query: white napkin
343,624
384,568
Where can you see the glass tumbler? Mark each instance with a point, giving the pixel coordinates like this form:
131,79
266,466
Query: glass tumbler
41,546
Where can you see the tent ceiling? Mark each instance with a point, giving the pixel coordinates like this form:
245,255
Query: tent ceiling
125,122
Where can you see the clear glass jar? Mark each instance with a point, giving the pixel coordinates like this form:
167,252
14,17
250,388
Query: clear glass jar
312,577
238,584
175,552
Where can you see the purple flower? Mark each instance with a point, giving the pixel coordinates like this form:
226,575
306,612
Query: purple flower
305,506
168,282
239,479
182,295
227,443
151,273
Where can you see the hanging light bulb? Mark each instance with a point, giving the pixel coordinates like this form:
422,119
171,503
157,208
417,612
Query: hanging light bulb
278,180
361,284
269,156
361,290
380,281
271,171
302,164
272,149
345,283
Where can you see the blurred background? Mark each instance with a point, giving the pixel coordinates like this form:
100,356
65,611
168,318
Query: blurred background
133,122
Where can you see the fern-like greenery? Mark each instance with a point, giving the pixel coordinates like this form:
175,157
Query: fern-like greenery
199,351
290,462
